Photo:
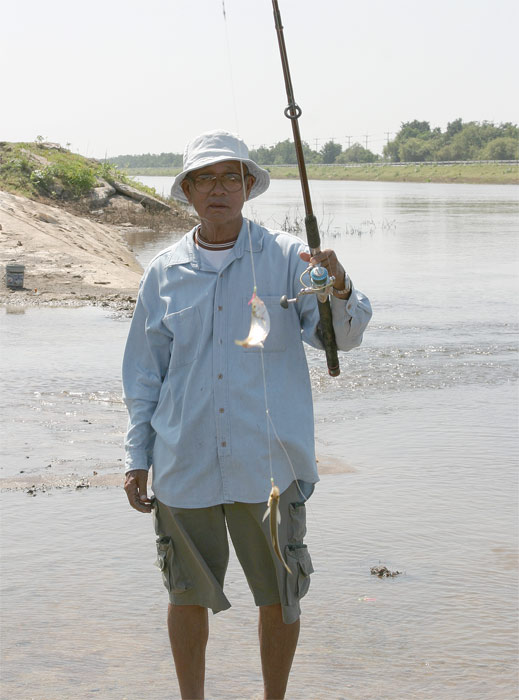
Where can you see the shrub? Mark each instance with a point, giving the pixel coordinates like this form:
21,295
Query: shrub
502,148
356,154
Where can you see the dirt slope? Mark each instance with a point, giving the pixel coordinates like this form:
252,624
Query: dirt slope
68,259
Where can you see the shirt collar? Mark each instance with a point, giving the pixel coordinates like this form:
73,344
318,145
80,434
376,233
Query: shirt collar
185,251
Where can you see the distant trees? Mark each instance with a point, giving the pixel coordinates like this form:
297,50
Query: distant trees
148,160
283,153
330,151
356,154
501,148
416,142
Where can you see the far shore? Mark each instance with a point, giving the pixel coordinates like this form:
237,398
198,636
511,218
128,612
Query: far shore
482,173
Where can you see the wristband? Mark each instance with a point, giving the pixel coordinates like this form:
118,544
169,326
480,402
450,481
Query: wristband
344,293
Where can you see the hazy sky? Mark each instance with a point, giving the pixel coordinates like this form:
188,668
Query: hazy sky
113,77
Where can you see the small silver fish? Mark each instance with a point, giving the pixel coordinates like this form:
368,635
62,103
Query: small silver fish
274,520
259,325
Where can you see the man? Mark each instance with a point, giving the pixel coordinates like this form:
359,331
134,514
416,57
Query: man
217,420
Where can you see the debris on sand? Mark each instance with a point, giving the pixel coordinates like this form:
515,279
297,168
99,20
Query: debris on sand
83,484
383,572
33,490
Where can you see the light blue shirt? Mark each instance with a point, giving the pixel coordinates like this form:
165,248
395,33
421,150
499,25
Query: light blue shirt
196,399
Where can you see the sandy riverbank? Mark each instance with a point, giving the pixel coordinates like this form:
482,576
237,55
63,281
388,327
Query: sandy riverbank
69,260
39,483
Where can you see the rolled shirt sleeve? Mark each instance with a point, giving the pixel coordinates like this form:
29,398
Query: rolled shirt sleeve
350,317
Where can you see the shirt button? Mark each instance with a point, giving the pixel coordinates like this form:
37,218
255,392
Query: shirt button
224,444
222,410
220,308
220,376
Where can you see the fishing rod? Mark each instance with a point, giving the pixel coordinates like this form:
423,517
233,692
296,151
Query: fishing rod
320,283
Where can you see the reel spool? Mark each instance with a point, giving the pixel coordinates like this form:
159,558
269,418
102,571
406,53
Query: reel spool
320,283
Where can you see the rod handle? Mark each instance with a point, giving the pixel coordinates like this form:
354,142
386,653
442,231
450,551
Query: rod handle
325,310
328,338
312,233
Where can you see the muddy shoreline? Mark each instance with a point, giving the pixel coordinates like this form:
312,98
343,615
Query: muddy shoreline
38,482
70,260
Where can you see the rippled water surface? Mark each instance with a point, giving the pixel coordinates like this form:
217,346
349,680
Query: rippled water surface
420,428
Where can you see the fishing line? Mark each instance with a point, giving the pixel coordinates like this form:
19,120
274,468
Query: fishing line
229,61
269,421
316,525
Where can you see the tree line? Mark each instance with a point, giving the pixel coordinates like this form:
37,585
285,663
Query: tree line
414,142
148,160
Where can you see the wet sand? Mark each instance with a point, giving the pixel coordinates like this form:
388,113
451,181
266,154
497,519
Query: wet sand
69,260
41,483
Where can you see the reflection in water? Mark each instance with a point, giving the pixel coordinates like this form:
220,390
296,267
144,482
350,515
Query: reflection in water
421,422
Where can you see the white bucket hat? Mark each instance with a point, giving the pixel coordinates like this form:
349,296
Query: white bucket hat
214,147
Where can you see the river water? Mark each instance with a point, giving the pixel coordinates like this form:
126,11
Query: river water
421,432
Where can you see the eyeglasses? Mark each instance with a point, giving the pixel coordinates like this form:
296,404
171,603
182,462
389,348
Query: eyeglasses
232,182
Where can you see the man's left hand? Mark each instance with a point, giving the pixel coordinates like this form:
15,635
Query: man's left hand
328,259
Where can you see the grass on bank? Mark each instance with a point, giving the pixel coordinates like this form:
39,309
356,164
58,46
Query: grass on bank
53,175
35,170
476,173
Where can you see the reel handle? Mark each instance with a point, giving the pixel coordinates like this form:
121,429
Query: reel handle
285,301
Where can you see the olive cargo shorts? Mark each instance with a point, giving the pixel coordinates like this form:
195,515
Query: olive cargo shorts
193,552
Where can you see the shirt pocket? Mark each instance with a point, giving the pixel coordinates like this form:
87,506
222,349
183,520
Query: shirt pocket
186,328
276,340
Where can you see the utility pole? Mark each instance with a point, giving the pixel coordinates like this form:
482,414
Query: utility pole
366,136
349,141
317,144
388,134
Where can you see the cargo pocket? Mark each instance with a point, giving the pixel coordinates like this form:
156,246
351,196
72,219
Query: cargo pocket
297,528
298,582
172,575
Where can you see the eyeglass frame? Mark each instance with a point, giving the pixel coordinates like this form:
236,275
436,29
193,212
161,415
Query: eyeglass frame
216,178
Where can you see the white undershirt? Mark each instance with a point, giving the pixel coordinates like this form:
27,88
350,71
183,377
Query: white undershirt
213,258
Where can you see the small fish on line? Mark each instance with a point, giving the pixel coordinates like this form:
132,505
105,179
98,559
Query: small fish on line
274,516
259,325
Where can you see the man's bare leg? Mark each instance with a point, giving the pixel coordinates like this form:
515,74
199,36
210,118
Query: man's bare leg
188,629
278,644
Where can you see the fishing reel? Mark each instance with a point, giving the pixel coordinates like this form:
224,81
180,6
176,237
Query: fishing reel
320,283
